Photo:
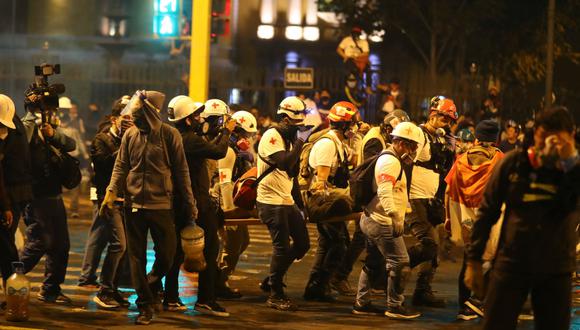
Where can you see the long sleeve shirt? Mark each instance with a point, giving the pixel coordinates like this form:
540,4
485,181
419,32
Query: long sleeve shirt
390,182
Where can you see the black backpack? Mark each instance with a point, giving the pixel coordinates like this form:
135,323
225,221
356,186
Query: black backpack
361,180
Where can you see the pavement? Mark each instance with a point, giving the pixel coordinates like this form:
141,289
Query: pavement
250,312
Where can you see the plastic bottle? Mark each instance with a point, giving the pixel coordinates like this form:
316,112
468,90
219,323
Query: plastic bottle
17,294
192,243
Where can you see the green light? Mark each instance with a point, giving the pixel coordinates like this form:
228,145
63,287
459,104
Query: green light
166,18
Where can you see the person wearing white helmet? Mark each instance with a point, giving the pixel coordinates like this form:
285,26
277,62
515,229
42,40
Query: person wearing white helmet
237,161
189,118
9,212
383,223
215,115
279,200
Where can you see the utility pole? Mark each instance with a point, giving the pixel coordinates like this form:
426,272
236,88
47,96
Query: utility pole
550,55
200,45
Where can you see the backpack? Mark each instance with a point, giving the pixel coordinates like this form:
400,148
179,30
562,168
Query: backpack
306,172
361,180
246,187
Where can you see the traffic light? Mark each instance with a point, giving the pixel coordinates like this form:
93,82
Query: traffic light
220,19
166,18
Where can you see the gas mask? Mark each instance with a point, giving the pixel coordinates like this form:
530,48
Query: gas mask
212,125
243,144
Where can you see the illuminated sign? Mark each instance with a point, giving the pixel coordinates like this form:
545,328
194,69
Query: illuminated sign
166,18
298,78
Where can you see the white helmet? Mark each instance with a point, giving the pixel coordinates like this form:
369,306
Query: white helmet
215,107
293,107
64,103
6,111
408,131
246,120
181,107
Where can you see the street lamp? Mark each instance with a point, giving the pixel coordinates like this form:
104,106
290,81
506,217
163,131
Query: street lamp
311,33
293,32
265,32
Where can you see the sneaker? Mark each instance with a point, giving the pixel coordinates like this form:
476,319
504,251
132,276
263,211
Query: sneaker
401,313
368,309
227,293
212,308
342,287
427,298
281,303
120,299
89,284
145,316
467,314
475,305
58,298
175,306
106,300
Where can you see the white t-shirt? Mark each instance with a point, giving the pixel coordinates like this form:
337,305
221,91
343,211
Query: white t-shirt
350,47
276,187
323,153
424,182
391,193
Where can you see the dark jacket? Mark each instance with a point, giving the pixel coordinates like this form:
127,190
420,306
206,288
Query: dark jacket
197,151
16,161
104,150
46,182
538,235
149,169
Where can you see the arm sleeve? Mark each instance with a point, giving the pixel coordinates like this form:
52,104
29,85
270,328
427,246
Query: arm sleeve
180,172
62,141
100,153
225,168
4,200
216,149
372,148
490,209
121,168
386,172
288,161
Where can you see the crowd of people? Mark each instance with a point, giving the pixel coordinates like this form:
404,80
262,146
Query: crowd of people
511,202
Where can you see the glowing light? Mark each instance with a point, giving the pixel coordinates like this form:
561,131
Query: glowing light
268,12
311,33
293,32
311,13
265,32
295,12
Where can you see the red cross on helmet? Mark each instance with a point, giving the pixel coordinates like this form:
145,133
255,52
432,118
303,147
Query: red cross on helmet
342,112
215,107
293,107
246,121
444,106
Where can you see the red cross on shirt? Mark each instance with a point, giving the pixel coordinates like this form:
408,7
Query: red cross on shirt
222,176
273,141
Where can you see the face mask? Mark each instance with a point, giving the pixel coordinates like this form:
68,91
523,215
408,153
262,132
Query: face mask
408,158
3,132
139,119
351,84
325,99
243,144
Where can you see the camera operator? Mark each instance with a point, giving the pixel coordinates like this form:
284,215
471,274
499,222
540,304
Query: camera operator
434,159
47,231
150,170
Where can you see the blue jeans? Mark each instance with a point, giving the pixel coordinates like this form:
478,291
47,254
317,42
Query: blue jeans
284,222
96,242
382,245
47,234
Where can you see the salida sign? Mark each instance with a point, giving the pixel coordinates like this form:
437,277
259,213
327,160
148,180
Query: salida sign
299,78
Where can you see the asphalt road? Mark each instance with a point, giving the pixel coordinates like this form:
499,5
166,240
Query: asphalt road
250,312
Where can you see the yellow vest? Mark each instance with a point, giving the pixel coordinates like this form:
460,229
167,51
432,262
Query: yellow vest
373,133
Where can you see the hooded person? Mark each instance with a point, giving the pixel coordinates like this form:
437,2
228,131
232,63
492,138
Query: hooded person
466,182
150,169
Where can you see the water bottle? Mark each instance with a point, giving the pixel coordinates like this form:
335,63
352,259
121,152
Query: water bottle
192,243
17,294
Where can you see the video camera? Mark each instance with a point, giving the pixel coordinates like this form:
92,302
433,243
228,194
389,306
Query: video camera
42,97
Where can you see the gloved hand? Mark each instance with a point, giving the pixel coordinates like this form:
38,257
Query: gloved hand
304,133
474,277
108,201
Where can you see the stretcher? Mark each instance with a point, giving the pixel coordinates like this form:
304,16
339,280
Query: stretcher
239,216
